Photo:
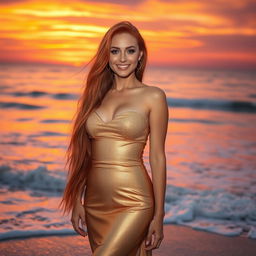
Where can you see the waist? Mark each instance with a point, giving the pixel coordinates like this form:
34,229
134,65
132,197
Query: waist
111,151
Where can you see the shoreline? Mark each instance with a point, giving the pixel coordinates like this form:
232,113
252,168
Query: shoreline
178,241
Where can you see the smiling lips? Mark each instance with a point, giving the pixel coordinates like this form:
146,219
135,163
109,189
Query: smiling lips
123,67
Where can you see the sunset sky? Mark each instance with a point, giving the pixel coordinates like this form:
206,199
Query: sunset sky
178,33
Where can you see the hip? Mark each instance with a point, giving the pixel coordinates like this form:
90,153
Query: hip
119,186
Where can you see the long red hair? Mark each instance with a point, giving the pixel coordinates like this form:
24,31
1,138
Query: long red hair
99,81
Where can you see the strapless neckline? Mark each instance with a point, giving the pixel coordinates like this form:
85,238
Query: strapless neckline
119,115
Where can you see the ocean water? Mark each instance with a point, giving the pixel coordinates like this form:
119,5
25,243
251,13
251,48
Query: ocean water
210,148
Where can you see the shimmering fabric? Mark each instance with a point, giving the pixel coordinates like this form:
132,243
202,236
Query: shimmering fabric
119,201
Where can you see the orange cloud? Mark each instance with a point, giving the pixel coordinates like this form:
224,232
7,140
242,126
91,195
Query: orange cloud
176,32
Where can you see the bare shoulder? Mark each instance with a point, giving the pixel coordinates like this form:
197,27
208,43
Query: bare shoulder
154,91
154,95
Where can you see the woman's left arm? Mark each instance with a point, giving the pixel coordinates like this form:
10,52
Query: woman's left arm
159,116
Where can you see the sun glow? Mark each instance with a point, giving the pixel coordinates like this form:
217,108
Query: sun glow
69,33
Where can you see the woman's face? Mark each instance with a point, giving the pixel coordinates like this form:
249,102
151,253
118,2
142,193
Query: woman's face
124,54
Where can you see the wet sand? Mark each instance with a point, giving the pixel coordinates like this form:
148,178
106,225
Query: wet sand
178,241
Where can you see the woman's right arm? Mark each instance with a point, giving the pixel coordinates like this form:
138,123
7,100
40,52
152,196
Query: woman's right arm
78,213
80,195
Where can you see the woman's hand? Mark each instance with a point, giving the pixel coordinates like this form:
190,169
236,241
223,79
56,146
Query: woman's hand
156,228
78,213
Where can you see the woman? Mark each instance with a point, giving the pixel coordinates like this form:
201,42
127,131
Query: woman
123,210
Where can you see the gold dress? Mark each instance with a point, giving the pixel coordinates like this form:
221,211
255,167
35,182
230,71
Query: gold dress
119,201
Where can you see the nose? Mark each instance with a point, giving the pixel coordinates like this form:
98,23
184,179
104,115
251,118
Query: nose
122,57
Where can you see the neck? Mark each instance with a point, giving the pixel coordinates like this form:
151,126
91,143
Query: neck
122,83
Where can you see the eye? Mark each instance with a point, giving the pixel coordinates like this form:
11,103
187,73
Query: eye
131,51
114,51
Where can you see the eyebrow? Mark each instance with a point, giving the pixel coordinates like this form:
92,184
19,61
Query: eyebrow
126,47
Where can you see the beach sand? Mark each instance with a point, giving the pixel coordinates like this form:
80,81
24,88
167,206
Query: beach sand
178,241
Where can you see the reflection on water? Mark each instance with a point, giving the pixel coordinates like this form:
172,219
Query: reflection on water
210,148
